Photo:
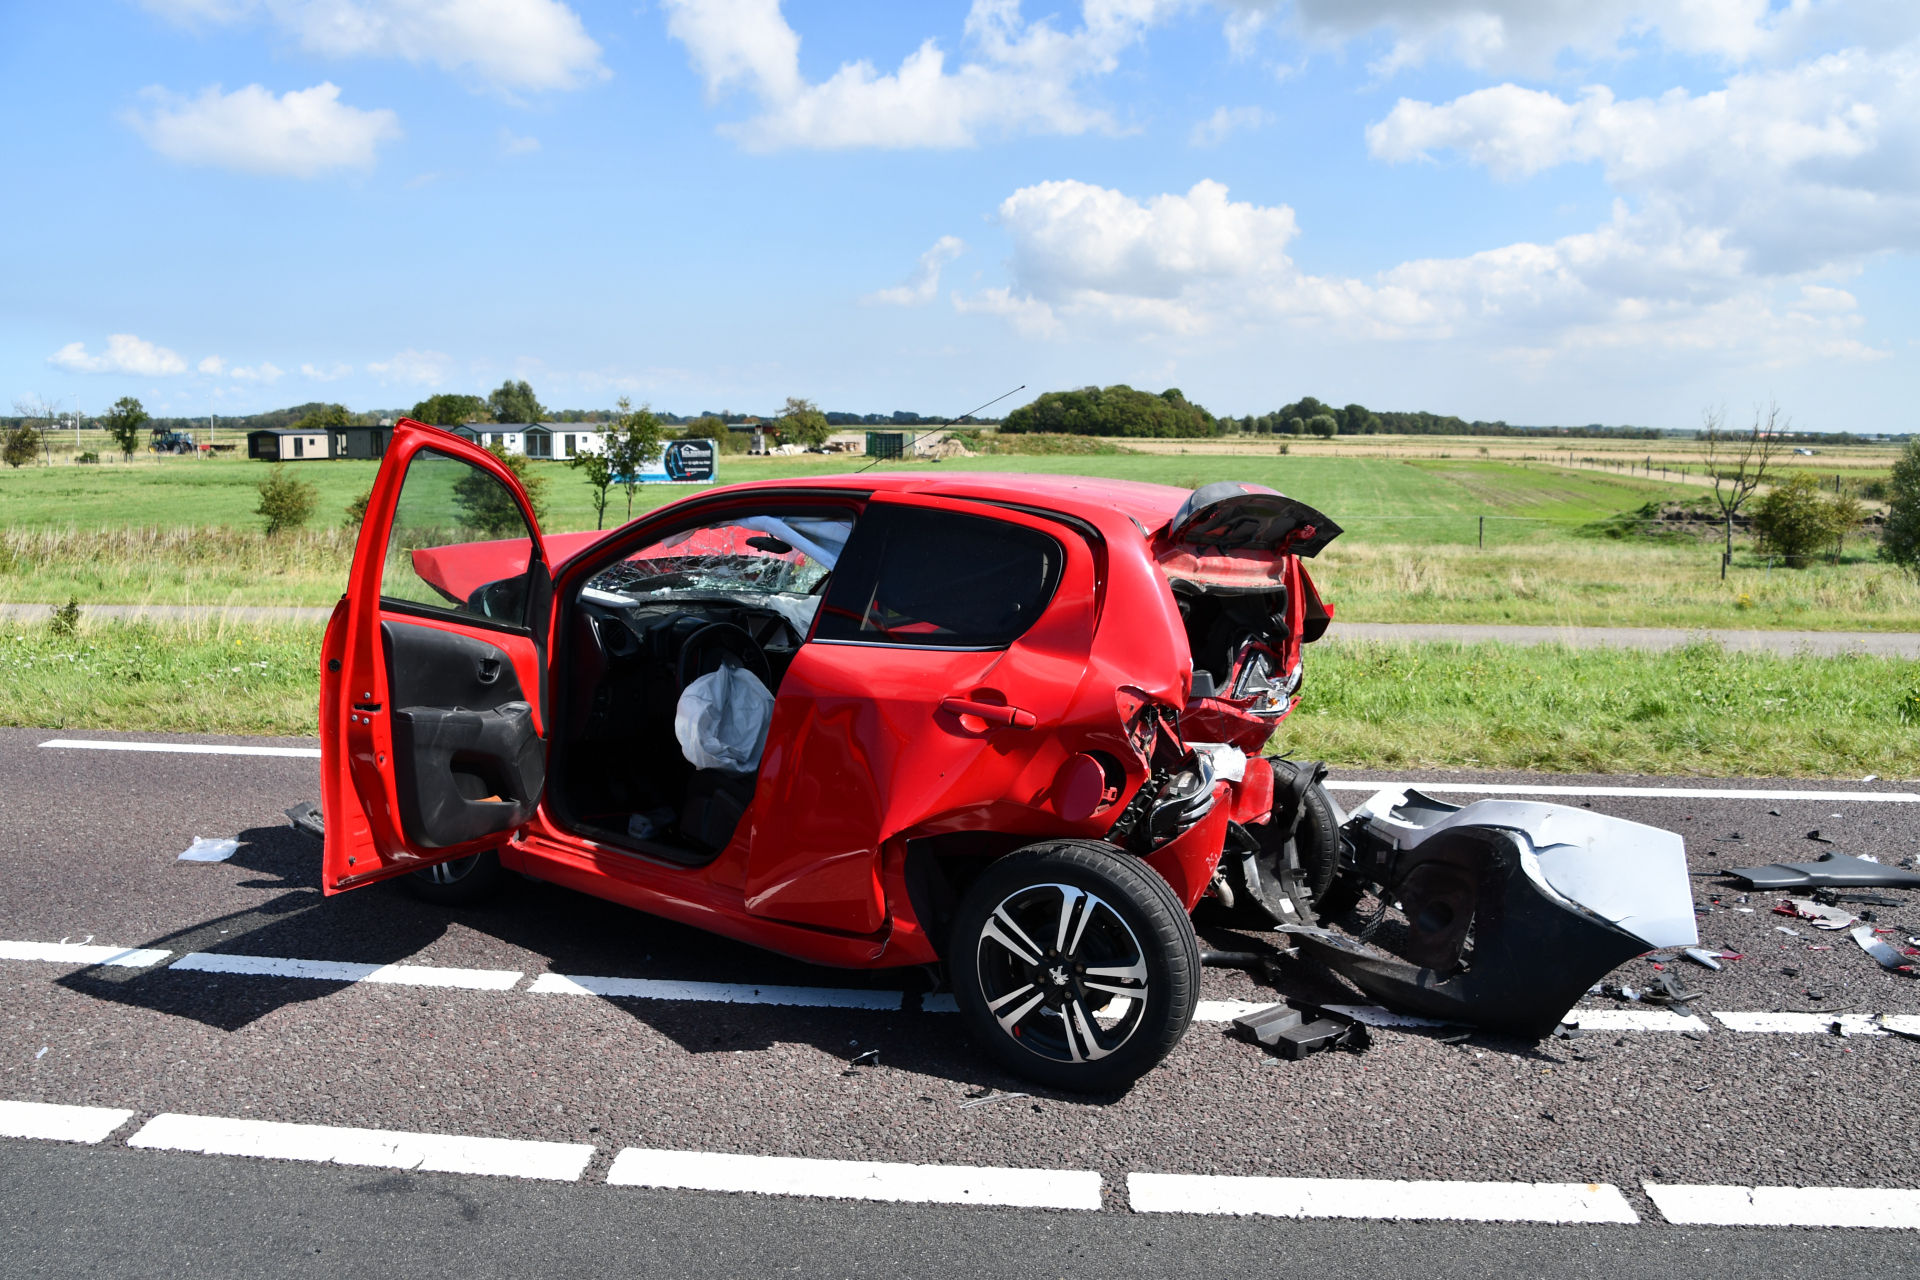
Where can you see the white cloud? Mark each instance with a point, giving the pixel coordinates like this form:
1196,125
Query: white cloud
333,374
213,365
513,145
1088,259
510,44
1532,36
924,283
1802,169
1216,128
1023,78
421,368
124,354
262,372
301,134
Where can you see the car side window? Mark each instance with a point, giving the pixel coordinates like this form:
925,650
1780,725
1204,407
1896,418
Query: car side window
939,579
459,542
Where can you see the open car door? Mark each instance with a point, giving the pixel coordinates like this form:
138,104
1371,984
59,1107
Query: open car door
433,674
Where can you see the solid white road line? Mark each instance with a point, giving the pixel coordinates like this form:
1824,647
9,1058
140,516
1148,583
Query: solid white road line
374,1148
856,1179
1671,793
1227,1010
186,748
1785,1206
715,992
58,1123
1635,1020
76,953
403,975
1380,1198
1851,1024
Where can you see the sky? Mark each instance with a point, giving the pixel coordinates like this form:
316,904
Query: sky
1540,211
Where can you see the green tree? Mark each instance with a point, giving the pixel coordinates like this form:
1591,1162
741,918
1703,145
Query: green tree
1324,425
22,443
487,506
599,477
326,418
1118,410
633,441
1297,426
515,402
1900,539
449,410
801,422
124,423
1797,518
285,502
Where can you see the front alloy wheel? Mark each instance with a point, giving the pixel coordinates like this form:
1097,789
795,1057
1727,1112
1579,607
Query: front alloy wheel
1075,965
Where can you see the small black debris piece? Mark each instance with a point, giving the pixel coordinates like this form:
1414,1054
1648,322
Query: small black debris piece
1567,1032
1832,898
1832,870
1322,1033
1815,835
1263,1026
1789,971
1773,813
1460,1038
871,1058
306,816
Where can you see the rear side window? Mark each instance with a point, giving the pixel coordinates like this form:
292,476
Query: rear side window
939,579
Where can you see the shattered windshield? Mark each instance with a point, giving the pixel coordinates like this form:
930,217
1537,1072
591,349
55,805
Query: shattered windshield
761,555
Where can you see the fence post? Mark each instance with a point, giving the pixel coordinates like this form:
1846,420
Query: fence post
1483,533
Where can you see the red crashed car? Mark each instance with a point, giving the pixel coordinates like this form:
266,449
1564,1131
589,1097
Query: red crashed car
1006,725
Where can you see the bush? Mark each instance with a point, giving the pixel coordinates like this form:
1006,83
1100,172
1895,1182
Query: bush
88,457
66,619
1797,519
286,503
1900,540
357,510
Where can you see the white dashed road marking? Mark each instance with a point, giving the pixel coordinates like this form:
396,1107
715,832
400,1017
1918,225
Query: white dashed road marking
1582,1202
857,1179
403,975
186,748
75,953
1635,1020
372,1148
59,1124
1785,1206
715,992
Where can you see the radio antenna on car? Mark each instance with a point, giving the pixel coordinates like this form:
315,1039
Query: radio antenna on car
943,426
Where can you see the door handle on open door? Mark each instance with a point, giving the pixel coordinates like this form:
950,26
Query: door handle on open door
1004,717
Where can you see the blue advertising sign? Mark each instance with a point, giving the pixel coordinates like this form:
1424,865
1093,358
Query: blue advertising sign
680,462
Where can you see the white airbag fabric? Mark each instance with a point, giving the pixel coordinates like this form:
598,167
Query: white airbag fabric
721,720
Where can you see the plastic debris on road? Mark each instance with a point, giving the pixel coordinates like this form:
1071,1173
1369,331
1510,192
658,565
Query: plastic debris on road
1707,958
1880,951
205,850
1830,918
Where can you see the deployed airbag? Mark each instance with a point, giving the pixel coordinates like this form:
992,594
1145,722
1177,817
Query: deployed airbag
722,718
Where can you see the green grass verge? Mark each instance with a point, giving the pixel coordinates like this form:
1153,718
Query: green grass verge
166,679
1697,710
1689,711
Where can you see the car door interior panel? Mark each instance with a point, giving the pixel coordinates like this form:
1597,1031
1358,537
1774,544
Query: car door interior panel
468,758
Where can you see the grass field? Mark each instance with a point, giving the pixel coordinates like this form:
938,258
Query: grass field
1691,711
182,531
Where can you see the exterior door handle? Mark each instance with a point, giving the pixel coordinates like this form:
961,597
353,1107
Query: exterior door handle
1004,717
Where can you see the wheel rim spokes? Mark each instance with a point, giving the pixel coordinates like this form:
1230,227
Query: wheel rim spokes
1045,996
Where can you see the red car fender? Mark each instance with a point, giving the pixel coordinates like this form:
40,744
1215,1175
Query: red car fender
1187,862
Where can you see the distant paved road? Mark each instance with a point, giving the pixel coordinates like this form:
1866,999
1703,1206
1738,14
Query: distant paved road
1888,644
1877,644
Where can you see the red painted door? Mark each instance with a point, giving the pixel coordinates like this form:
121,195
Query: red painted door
953,636
433,678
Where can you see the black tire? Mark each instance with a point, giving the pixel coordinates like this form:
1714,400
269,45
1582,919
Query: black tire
1129,934
462,882
1317,841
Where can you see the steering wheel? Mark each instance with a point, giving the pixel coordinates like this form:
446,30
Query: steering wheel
700,653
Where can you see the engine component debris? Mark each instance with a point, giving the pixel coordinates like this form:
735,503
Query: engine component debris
1831,870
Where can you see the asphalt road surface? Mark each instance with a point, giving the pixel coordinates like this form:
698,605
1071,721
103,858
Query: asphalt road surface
89,844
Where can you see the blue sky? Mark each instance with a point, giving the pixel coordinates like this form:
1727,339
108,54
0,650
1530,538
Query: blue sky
1546,211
